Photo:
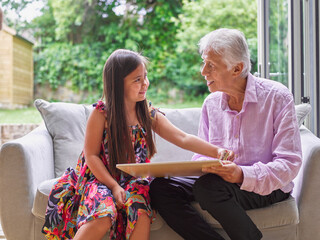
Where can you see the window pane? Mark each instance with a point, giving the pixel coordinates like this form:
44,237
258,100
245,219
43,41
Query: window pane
278,29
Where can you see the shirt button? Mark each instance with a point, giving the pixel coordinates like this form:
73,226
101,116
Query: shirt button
236,136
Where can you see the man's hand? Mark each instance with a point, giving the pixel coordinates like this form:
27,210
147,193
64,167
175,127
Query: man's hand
229,171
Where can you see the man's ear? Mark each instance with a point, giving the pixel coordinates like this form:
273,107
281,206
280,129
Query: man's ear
237,69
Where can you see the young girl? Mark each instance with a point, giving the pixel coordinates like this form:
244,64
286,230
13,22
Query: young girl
87,202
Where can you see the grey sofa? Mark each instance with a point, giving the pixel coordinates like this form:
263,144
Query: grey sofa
29,166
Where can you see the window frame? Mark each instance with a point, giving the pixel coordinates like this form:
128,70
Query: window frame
303,53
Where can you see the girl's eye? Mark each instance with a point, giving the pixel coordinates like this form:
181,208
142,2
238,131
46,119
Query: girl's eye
137,80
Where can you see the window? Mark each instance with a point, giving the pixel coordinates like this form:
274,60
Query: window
273,40
288,50
278,38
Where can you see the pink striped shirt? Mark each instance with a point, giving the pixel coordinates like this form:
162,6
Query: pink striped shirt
264,135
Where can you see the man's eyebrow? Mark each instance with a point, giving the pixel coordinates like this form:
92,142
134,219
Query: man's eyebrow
208,60
203,56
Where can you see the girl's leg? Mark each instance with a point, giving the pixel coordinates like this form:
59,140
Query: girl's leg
94,229
142,228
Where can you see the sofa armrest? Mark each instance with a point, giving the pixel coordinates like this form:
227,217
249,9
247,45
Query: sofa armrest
24,164
307,190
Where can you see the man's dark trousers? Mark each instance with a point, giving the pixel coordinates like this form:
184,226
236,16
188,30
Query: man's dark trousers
226,202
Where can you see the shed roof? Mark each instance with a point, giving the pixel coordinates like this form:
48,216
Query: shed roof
13,32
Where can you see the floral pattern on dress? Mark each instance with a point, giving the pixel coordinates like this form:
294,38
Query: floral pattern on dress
78,197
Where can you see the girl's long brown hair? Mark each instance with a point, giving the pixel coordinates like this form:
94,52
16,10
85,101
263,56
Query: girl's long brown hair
120,148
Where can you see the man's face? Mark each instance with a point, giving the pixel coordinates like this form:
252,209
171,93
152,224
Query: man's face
216,72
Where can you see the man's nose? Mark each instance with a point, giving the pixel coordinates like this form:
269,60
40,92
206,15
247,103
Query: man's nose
204,71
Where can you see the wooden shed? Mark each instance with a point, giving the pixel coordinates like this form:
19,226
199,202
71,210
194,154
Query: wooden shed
16,70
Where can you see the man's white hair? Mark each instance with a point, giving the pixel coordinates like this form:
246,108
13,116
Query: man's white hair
231,45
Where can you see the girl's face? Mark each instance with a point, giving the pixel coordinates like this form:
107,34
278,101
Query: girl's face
136,85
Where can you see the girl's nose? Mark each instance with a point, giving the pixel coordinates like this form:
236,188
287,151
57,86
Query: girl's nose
146,82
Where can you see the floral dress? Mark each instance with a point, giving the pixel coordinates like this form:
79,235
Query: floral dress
78,197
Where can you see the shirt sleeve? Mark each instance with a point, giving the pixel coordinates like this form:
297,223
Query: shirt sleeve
263,178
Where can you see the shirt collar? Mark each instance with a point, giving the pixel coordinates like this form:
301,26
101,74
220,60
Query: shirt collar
250,94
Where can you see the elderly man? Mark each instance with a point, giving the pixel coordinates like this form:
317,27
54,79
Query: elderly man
251,116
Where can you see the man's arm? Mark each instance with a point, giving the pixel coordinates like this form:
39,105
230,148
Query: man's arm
263,178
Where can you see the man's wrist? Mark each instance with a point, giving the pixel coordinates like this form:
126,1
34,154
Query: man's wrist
240,178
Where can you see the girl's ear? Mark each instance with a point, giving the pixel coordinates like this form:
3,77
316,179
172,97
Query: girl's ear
237,69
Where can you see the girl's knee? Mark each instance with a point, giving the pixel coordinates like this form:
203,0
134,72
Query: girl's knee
143,216
102,225
94,229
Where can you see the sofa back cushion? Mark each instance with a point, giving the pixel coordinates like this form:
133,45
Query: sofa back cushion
187,120
66,123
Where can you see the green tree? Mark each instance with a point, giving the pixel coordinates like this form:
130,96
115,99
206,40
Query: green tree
16,7
83,34
199,18
75,37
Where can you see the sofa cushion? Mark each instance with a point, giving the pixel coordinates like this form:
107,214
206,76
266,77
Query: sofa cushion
66,123
278,214
185,119
302,111
41,199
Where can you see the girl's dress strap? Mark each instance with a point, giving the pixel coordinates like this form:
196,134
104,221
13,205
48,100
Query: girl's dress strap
100,106
153,111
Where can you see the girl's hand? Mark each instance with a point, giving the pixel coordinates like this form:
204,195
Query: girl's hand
120,195
224,154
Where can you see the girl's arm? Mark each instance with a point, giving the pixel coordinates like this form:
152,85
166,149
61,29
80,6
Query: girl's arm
165,129
92,145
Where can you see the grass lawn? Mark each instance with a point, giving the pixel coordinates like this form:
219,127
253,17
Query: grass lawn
178,105
25,115
31,115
